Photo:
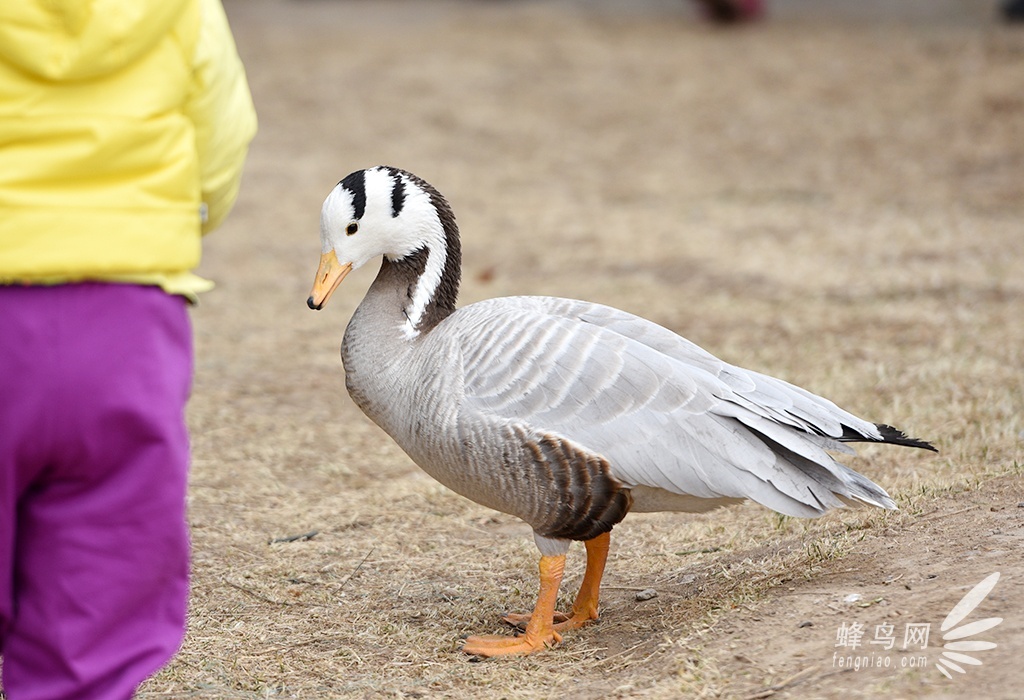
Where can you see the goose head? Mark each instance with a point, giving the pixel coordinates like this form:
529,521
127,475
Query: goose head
388,212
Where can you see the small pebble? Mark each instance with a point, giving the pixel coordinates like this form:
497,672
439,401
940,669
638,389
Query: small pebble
806,623
646,594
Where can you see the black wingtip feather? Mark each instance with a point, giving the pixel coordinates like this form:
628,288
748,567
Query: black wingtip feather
890,435
895,436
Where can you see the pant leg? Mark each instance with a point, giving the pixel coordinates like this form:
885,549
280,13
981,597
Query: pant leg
23,436
100,562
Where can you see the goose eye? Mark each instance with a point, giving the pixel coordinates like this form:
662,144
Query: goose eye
352,228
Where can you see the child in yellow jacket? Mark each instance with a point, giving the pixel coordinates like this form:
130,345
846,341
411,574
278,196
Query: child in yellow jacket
124,125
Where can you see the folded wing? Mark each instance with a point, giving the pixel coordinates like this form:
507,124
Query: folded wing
667,415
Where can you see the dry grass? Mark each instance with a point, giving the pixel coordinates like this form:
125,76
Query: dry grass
840,206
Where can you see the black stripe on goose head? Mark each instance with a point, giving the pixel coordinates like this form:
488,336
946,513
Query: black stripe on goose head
397,191
355,184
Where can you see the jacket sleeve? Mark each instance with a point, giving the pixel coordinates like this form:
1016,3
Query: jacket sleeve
221,110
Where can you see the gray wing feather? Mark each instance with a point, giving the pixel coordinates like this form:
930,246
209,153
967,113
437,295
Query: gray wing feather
665,413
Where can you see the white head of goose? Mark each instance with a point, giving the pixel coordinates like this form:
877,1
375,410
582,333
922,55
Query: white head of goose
564,413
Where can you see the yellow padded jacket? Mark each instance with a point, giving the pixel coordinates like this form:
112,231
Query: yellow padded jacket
124,125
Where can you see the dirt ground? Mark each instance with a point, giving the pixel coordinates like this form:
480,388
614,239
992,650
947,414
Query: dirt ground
833,199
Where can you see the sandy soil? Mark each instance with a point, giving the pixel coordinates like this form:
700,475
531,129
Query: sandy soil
833,199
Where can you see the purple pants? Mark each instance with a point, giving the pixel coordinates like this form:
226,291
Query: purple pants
93,464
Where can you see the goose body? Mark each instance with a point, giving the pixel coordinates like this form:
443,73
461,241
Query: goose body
564,413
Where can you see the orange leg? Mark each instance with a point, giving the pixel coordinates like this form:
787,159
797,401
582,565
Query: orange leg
584,609
539,632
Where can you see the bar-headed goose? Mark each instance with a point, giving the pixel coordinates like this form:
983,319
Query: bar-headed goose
564,413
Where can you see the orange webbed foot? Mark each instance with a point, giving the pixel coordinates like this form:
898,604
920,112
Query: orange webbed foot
521,644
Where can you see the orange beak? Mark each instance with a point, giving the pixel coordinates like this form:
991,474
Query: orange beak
328,276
